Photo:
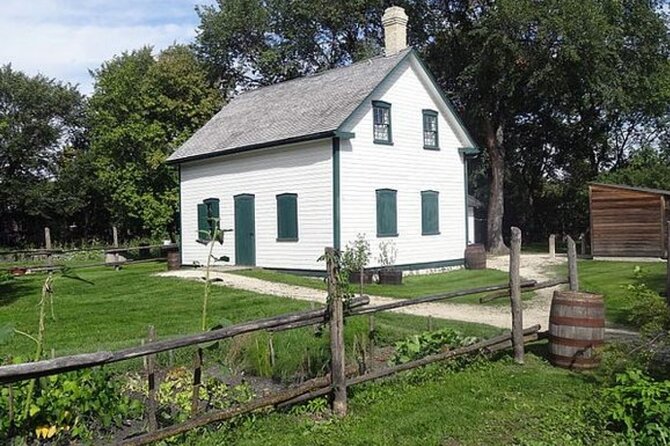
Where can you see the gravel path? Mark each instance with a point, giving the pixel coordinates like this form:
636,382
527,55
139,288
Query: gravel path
533,266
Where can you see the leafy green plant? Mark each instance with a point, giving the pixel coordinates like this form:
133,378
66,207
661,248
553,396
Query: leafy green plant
176,389
640,408
646,308
428,343
356,254
66,406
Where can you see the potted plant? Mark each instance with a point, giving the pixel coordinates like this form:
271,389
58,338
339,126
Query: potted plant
355,258
388,274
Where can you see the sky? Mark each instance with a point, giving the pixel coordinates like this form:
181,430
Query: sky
63,39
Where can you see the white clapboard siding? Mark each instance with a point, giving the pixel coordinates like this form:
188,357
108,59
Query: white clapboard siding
408,168
304,169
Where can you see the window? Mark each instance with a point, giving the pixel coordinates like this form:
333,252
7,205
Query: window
430,212
208,217
381,114
287,218
387,215
430,138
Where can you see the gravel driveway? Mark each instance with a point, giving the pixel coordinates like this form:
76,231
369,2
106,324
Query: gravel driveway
533,266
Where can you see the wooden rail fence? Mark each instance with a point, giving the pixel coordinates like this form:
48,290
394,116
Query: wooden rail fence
334,383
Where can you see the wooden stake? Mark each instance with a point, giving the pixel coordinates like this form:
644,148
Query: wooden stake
197,382
430,323
667,274
552,246
371,335
115,243
572,264
515,295
272,352
151,379
582,244
336,323
47,245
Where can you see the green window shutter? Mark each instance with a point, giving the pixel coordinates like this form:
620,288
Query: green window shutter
387,213
381,122
430,213
203,223
287,217
430,133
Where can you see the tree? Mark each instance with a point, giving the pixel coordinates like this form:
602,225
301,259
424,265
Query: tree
247,43
38,118
559,78
647,167
141,110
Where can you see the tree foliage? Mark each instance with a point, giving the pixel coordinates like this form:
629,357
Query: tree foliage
142,108
38,118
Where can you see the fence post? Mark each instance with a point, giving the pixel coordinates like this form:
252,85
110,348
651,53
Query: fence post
197,379
151,378
552,246
572,264
582,244
47,244
115,243
667,253
515,295
336,322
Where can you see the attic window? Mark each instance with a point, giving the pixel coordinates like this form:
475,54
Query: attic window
381,115
430,138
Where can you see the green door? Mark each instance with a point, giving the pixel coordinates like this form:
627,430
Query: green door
245,230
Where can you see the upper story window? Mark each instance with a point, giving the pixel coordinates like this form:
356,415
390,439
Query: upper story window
381,115
430,138
287,218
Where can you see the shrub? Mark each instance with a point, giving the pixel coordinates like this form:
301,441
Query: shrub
640,408
428,343
68,406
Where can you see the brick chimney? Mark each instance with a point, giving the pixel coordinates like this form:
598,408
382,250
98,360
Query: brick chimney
395,30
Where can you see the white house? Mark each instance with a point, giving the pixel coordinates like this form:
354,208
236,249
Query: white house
373,148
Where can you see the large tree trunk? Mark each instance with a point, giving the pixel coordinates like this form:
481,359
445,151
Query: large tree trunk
494,148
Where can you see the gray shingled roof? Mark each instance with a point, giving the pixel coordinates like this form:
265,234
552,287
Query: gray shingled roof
310,105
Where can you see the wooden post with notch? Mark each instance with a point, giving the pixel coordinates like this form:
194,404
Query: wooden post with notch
336,322
552,246
572,264
515,295
152,383
197,382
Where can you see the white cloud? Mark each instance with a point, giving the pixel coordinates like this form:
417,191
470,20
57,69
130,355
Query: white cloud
64,39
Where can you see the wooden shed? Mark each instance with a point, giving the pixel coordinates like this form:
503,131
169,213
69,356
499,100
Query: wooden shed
628,221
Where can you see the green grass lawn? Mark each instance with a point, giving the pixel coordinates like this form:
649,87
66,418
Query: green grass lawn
610,279
497,403
413,286
116,309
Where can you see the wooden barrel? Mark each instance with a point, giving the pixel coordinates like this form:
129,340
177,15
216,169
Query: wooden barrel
172,254
576,329
475,256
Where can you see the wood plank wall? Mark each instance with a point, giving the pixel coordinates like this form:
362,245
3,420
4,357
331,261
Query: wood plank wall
626,223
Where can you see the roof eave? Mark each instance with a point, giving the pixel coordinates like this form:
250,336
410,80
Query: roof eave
264,145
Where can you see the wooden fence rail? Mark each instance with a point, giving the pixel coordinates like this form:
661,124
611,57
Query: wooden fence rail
339,377
19,372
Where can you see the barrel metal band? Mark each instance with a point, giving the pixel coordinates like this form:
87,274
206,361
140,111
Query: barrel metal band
577,321
575,342
572,360
578,303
